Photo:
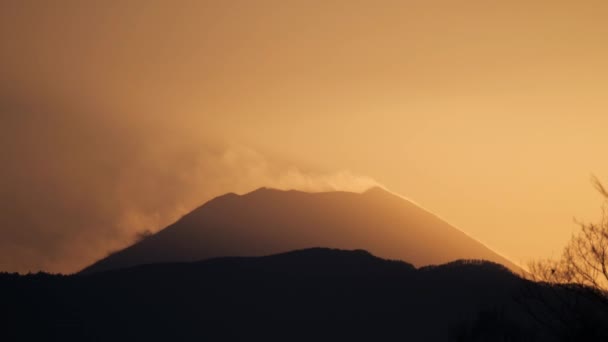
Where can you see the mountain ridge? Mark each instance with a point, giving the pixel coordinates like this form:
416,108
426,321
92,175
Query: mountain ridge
269,221
315,293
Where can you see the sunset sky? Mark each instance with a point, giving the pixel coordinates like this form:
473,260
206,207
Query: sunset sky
118,117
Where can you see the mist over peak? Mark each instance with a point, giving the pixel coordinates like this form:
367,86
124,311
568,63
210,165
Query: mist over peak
81,180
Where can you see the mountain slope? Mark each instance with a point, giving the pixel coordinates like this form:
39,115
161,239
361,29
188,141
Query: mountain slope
268,221
314,294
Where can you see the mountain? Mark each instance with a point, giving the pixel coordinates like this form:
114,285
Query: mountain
268,221
314,294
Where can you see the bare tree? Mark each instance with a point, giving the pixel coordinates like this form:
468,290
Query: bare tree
569,295
584,261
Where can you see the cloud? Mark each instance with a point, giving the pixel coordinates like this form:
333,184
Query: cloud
78,183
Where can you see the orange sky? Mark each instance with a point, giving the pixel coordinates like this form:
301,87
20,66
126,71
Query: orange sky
490,115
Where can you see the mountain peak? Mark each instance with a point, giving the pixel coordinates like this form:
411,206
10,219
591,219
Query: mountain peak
377,191
262,189
269,221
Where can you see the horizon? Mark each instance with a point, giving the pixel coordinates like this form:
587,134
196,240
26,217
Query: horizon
294,170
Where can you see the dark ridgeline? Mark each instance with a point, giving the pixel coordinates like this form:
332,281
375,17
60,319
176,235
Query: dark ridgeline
307,295
268,221
159,290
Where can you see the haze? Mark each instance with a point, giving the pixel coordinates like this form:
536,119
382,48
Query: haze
117,118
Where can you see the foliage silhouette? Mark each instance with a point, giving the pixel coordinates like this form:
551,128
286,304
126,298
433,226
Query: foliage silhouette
575,282
313,294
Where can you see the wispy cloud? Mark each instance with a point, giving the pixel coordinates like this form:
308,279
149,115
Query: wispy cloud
78,184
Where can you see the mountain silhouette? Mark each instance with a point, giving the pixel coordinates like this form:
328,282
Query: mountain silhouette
269,221
318,293
315,294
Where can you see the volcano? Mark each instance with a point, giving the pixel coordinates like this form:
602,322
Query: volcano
268,221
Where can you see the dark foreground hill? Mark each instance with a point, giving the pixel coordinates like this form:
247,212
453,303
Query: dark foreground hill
308,295
268,221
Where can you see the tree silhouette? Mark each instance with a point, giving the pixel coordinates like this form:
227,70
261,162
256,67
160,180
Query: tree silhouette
577,300
584,261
